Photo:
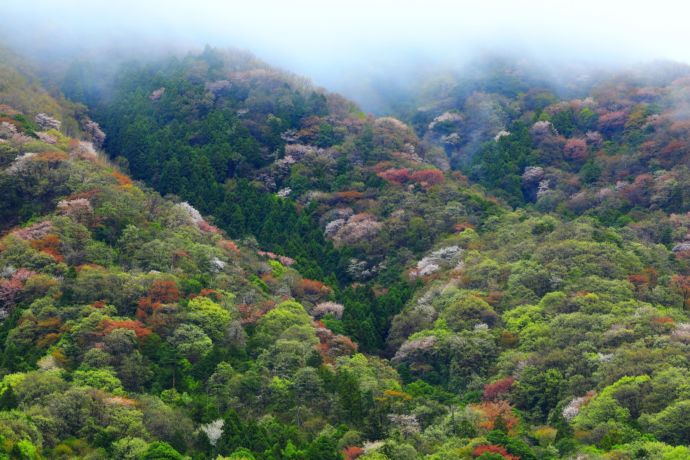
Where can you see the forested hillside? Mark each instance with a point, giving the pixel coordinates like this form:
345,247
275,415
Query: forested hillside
252,268
611,145
133,328
351,198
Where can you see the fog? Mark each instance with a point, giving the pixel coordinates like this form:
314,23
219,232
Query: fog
352,46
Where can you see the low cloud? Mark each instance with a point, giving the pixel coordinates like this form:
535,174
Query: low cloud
351,46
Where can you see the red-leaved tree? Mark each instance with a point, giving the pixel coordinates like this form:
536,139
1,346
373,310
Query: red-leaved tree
352,452
499,388
427,177
493,449
681,283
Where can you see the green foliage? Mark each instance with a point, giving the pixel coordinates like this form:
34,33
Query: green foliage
132,328
671,424
161,451
209,316
190,142
102,379
500,164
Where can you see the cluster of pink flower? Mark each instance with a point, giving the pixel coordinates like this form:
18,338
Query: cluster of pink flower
206,227
332,345
229,245
77,207
356,228
285,260
325,308
34,232
11,287
412,350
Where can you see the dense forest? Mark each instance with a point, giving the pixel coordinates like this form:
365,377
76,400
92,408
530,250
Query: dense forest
304,172
202,256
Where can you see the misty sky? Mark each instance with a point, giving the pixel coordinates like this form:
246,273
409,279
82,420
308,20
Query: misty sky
332,41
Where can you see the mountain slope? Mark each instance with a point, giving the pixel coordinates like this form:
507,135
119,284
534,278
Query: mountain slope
606,144
22,90
127,318
133,327
351,198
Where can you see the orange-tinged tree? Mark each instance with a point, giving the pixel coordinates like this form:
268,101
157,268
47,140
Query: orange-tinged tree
427,177
681,284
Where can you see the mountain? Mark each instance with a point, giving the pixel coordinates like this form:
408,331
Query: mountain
125,314
604,144
352,198
252,268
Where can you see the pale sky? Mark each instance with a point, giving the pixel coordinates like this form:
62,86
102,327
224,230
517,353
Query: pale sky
329,40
